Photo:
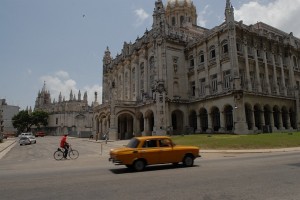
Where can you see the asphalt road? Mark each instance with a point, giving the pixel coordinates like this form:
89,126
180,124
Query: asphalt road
30,172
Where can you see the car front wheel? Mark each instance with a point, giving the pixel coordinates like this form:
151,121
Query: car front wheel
188,161
139,165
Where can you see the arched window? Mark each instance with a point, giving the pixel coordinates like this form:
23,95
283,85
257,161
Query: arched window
152,70
295,62
181,20
224,47
212,52
142,76
173,21
201,57
192,62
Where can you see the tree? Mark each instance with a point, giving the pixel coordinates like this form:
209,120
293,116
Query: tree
23,121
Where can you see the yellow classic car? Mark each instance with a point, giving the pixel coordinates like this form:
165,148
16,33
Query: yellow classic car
150,150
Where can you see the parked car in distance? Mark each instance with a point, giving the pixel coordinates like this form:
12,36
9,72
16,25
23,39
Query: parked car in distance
32,139
25,134
40,134
24,141
151,150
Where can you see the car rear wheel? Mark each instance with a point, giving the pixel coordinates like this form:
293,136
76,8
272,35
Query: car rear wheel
139,165
188,161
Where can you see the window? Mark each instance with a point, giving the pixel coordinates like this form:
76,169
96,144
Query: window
227,77
165,143
56,121
214,83
192,63
142,76
224,47
202,86
212,52
201,57
150,144
173,21
181,20
193,88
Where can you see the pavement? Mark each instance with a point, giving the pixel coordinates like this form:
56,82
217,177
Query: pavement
110,144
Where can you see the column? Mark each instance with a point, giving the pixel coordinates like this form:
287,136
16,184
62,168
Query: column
275,72
267,70
207,79
248,78
253,120
258,82
219,70
280,120
282,74
291,73
272,120
209,122
196,73
199,129
222,121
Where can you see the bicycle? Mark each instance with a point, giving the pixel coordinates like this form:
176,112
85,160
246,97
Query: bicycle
59,153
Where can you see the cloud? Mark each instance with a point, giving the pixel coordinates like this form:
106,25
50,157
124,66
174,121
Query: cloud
281,14
201,21
141,15
61,82
29,71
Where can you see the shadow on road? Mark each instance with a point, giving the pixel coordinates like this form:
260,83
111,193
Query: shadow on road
149,168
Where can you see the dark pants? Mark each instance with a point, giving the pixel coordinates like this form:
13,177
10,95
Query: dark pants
66,148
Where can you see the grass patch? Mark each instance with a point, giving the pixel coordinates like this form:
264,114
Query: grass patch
253,141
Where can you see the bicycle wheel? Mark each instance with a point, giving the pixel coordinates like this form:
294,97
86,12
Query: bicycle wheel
58,155
73,154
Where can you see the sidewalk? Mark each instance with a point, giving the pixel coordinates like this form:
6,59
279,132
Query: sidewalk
6,145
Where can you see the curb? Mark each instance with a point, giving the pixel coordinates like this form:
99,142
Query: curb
1,150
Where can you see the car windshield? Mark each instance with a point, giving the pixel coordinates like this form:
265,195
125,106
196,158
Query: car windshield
133,143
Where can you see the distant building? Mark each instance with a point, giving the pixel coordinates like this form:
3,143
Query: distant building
180,78
7,112
73,116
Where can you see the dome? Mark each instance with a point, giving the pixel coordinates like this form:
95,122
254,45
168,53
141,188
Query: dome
172,3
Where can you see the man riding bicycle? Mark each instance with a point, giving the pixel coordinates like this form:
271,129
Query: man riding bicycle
64,145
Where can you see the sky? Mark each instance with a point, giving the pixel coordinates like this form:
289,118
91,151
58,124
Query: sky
62,42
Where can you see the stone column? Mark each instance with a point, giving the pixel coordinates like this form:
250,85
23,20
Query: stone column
282,74
219,70
275,72
258,81
222,122
280,120
209,122
199,129
266,70
248,78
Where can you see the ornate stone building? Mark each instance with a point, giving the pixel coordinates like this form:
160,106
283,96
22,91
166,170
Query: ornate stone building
73,116
180,78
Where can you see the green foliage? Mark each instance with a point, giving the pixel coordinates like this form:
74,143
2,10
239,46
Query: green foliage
225,141
23,121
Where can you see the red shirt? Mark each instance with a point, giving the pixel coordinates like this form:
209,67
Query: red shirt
63,141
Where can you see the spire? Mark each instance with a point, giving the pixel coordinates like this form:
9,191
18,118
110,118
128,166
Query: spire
44,87
79,96
71,95
59,98
229,12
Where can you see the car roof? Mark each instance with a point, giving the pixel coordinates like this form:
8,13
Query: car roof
152,137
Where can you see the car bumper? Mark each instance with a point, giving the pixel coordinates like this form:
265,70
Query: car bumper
116,162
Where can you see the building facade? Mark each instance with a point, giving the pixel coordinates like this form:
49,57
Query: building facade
180,78
7,112
73,116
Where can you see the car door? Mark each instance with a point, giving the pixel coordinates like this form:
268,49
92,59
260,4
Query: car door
150,151
167,153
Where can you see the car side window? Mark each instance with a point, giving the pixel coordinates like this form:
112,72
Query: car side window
164,143
150,144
